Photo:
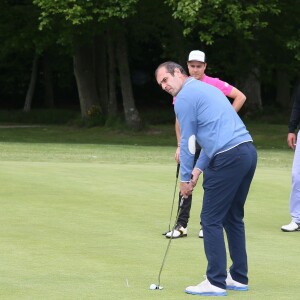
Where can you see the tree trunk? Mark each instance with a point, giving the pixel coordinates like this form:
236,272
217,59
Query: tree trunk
112,96
131,113
250,86
32,84
283,95
101,71
48,83
84,70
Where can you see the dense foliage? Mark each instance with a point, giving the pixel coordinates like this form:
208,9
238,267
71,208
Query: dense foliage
241,39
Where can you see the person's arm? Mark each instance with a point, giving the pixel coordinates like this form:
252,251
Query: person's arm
177,130
229,91
295,114
188,128
238,98
294,120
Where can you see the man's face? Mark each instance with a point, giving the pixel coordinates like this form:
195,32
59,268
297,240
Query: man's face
169,83
196,69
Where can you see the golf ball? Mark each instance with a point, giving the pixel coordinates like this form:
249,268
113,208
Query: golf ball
152,286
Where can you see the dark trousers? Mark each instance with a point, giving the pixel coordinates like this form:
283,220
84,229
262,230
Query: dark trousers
226,184
184,215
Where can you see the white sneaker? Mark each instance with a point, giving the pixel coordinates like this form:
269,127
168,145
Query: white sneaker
293,226
201,234
179,232
205,288
234,285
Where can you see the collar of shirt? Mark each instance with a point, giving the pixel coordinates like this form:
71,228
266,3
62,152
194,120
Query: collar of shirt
187,81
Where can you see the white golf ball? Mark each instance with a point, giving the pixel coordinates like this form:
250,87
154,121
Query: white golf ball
152,286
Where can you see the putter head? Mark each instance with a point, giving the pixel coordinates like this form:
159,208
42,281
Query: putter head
154,286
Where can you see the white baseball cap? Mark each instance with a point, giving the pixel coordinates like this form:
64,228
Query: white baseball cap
197,56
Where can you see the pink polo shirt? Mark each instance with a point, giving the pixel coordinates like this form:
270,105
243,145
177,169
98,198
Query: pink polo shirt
223,86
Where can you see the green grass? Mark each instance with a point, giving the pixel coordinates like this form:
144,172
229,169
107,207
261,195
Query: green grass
82,212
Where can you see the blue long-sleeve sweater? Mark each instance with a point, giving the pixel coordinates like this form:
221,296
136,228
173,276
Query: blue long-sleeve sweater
205,114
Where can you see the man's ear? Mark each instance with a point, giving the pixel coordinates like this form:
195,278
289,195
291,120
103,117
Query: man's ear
177,71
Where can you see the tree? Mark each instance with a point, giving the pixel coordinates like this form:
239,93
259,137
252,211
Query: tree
131,113
19,34
220,17
102,74
112,97
32,83
86,20
239,20
84,70
280,47
253,46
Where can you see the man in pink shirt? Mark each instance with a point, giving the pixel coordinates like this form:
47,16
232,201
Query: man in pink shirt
196,66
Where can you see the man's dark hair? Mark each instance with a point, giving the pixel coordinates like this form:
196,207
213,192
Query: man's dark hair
170,67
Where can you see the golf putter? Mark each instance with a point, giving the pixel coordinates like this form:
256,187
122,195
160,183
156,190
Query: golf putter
172,207
158,287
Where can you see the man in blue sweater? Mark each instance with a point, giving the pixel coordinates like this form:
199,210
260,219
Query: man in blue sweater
228,162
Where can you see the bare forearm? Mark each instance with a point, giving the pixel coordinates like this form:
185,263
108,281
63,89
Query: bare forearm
238,99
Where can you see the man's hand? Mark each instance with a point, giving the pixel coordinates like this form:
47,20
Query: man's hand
292,140
195,176
186,189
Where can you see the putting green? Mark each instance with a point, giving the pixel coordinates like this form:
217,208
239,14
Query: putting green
85,222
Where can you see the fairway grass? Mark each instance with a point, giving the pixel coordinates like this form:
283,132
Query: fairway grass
84,221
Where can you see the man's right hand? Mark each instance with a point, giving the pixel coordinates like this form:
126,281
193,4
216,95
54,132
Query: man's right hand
292,140
195,176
